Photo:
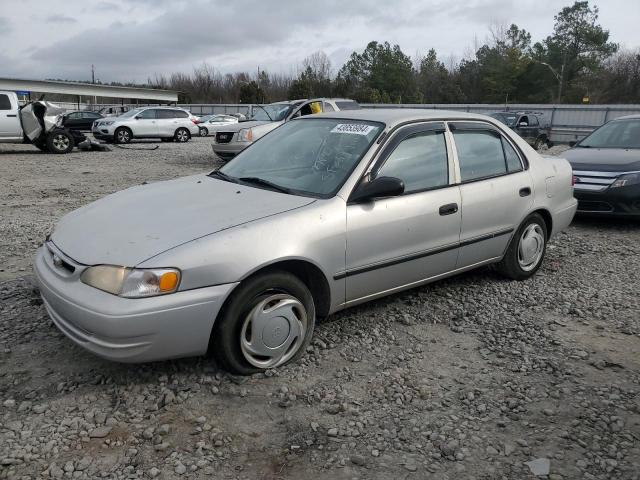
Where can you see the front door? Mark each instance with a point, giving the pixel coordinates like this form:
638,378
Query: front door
400,241
9,121
495,188
146,124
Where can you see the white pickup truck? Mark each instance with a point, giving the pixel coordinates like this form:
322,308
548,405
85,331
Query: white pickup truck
37,123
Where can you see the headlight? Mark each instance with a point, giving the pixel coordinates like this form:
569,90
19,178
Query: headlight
626,180
245,135
132,282
108,123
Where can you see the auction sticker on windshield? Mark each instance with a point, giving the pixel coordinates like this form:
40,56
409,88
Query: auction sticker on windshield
353,128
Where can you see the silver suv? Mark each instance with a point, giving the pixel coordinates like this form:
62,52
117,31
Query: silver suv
230,141
166,123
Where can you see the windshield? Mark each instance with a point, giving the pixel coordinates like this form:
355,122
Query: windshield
616,134
506,118
277,112
308,157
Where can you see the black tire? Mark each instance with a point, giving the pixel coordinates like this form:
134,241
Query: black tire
225,342
182,135
60,141
204,131
122,135
540,142
511,265
167,140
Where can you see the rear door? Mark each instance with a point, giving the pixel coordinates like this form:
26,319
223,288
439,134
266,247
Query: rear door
145,124
399,241
9,121
495,189
166,121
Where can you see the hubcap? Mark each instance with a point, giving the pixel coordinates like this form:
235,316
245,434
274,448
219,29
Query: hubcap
531,247
123,135
182,136
60,142
273,331
204,132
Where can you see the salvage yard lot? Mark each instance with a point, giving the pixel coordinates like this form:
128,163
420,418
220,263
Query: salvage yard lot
471,377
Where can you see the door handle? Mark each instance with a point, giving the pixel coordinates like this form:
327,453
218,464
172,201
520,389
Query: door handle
525,192
448,209
11,115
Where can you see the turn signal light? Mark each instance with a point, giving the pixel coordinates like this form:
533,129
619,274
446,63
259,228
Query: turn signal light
168,282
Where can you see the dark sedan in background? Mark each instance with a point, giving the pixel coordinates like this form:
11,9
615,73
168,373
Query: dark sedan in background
80,120
606,166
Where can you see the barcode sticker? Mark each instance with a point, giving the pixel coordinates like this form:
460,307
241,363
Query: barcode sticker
352,128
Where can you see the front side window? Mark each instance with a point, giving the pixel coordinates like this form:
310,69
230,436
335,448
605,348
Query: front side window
480,154
616,134
420,161
533,121
311,157
5,103
147,114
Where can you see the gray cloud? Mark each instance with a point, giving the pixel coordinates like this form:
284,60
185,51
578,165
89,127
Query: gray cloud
5,25
60,19
106,7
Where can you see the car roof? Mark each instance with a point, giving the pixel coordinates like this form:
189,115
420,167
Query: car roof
394,116
635,116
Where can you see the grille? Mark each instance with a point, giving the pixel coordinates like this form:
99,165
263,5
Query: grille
594,181
224,137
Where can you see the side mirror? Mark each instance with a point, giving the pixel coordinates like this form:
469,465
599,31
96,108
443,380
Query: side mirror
523,124
573,143
377,188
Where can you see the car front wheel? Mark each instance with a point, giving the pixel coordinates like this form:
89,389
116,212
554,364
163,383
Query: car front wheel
267,322
122,135
60,141
526,251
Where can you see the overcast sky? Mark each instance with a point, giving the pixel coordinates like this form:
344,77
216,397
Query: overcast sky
134,39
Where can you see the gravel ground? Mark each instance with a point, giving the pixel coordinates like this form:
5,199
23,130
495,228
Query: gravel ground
472,377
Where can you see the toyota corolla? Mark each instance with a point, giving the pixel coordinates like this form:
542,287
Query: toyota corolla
325,212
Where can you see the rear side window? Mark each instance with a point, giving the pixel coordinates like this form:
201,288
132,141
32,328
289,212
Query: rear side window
348,105
480,154
420,161
180,114
166,114
533,121
5,103
512,158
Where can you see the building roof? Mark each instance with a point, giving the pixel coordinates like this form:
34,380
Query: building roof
87,89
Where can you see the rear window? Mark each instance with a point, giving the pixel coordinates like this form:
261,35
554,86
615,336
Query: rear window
5,103
348,105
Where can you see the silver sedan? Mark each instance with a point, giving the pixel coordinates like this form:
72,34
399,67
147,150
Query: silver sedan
325,212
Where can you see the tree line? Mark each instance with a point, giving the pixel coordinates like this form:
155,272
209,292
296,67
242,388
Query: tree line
577,62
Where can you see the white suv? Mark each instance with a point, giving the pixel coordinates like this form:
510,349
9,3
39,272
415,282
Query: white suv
166,123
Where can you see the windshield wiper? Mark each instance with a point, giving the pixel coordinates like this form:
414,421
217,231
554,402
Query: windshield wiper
264,183
223,176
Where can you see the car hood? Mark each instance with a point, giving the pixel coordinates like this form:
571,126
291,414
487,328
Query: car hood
603,159
133,225
234,127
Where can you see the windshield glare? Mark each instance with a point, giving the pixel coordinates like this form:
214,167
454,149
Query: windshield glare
131,113
616,134
310,157
277,112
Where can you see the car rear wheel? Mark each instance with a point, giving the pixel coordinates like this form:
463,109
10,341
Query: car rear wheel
60,141
122,135
182,135
204,132
526,250
541,142
267,322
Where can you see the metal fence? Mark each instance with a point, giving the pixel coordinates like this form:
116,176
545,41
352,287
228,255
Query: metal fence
568,122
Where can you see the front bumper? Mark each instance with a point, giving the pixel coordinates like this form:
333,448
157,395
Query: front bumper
614,202
127,330
103,132
227,151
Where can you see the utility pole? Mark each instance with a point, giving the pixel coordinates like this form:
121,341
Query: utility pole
93,80
559,76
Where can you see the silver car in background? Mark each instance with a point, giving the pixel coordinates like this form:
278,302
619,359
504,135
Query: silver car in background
231,141
210,123
166,123
325,212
